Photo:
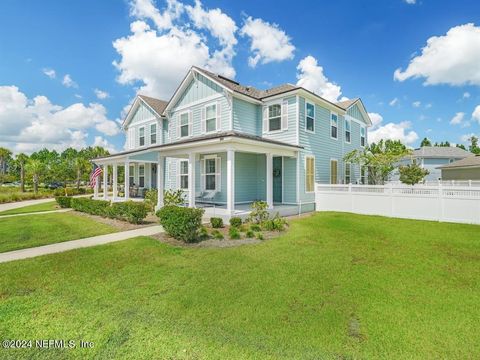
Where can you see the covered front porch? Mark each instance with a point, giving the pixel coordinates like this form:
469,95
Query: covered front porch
223,177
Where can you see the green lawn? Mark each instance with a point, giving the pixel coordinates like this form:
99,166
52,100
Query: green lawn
28,231
335,286
51,205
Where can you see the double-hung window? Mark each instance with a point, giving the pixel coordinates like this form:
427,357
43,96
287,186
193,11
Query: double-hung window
309,174
183,174
141,176
334,126
153,134
211,174
333,171
274,117
184,124
362,136
348,173
141,136
211,118
310,117
348,130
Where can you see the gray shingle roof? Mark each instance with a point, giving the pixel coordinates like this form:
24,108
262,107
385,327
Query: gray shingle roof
440,152
470,161
156,104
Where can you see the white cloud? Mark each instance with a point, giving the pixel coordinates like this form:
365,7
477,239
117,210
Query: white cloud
68,82
101,94
159,57
458,118
465,138
269,43
50,73
476,114
466,95
30,124
416,104
393,102
428,106
411,2
376,120
310,76
100,141
452,59
394,131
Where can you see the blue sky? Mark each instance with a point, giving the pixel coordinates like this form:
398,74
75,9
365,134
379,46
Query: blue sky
69,69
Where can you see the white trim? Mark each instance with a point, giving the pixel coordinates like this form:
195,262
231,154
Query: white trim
330,128
179,125
135,105
298,177
297,118
283,174
210,98
216,117
150,133
217,173
246,98
179,174
313,104
280,103
345,130
314,174
365,137
351,118
144,137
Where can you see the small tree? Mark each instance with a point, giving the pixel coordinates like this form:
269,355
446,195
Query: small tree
461,146
473,148
425,142
412,174
21,160
35,169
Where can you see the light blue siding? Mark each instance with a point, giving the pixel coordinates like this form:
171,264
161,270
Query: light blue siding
289,180
249,177
247,117
354,111
143,118
290,135
197,90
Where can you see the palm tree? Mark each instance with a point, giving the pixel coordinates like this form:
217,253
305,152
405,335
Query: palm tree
35,170
5,154
81,166
21,161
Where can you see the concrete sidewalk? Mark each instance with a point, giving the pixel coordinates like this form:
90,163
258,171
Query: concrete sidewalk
76,244
35,213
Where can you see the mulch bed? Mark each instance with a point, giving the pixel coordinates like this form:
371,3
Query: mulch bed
119,224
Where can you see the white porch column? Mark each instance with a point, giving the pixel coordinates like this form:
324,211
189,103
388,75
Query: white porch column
115,179
127,181
230,181
96,187
160,180
269,180
191,179
105,181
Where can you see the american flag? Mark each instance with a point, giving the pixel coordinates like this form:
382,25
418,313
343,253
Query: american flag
97,170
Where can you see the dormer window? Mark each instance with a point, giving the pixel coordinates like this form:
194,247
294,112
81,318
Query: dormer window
274,117
310,117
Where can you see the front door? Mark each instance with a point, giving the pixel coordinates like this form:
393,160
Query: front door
277,179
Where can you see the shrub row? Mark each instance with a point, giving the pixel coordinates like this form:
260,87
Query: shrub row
133,212
181,223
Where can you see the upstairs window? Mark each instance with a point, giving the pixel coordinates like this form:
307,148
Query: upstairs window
183,174
310,117
211,118
334,126
348,130
362,136
153,134
184,125
309,174
348,171
274,117
141,136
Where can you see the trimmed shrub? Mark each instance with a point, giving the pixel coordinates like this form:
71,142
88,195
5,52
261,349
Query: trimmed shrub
249,234
131,211
90,206
255,227
64,201
259,236
173,197
275,224
259,212
235,221
217,234
203,233
216,222
234,233
180,222
151,198
72,191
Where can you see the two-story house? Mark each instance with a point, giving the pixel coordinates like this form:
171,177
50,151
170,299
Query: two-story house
227,144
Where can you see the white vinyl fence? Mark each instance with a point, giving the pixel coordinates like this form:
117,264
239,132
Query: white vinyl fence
423,202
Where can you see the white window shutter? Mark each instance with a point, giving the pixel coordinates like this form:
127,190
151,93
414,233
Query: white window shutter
190,123
202,174
204,120
265,118
219,116
285,115
177,121
218,174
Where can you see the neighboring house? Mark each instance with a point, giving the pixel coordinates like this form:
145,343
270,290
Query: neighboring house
430,158
465,169
229,145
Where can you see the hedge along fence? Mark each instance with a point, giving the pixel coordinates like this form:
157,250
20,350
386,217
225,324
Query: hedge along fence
133,212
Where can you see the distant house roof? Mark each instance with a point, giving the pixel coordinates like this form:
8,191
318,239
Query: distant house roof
440,152
468,162
156,104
